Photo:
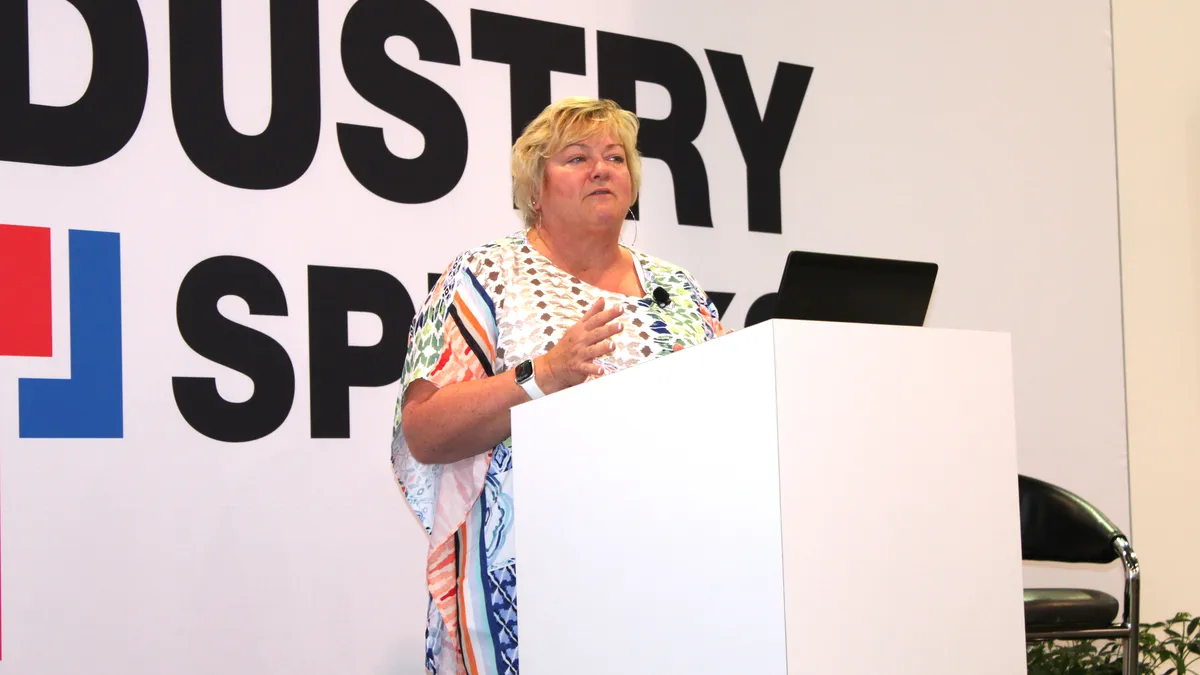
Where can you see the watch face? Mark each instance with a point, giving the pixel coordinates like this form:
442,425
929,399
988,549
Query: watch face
524,371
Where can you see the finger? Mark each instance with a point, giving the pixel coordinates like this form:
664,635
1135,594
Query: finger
591,368
604,317
596,308
600,349
590,314
601,333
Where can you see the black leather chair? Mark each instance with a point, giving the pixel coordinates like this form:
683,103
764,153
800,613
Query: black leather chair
1059,526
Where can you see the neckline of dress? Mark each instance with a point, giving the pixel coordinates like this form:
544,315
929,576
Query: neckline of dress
642,276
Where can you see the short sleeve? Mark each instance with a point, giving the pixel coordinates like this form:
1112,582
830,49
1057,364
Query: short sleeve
453,336
452,339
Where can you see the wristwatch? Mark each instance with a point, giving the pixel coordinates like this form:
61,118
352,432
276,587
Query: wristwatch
526,380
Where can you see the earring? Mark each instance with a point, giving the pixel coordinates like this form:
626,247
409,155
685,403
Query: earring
635,226
533,207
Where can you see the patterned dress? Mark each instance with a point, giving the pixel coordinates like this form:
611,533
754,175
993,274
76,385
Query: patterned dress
494,307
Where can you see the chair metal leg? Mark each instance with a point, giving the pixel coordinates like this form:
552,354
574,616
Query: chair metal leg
1133,583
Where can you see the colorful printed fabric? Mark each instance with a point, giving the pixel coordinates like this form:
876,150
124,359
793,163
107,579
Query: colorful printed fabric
494,307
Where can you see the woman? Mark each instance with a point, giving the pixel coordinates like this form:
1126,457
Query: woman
525,316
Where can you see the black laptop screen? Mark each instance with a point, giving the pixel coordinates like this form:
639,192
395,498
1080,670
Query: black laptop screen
828,287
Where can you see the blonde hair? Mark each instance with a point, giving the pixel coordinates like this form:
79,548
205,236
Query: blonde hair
560,124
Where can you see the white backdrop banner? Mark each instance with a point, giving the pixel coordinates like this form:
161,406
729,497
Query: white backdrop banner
217,217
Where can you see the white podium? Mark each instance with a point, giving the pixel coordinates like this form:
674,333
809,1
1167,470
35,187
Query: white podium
797,497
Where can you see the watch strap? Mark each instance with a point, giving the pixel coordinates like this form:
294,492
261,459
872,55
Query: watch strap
529,384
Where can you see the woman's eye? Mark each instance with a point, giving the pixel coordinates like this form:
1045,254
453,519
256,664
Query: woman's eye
574,160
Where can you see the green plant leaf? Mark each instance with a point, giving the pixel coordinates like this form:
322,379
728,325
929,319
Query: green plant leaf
1168,649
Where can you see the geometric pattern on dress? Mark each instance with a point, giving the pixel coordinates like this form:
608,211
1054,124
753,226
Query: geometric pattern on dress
502,601
433,638
497,506
536,302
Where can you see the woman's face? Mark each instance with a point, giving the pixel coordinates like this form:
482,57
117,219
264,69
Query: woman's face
587,184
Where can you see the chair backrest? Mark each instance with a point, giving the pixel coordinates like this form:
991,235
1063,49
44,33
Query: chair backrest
1059,526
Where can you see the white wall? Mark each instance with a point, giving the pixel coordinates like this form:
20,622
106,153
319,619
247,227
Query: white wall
1157,58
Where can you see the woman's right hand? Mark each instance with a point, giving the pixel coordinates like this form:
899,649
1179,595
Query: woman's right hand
572,359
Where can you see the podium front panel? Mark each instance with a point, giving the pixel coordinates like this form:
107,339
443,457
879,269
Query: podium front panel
898,466
648,522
